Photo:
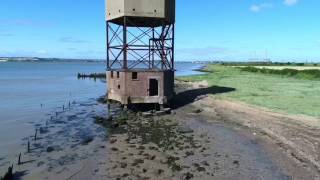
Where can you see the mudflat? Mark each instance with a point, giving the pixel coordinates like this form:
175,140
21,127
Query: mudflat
208,138
203,137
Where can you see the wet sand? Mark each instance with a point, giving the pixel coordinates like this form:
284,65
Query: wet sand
202,138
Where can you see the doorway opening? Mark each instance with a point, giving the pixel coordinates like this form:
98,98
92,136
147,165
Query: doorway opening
153,87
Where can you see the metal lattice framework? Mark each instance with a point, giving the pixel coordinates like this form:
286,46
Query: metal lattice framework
132,47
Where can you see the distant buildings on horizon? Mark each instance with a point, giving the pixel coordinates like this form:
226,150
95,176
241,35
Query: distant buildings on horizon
251,61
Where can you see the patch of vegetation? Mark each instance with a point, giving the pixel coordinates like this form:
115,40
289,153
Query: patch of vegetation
267,63
113,124
155,133
171,161
312,74
283,93
160,132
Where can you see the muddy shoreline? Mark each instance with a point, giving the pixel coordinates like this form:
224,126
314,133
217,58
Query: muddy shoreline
66,144
200,138
197,142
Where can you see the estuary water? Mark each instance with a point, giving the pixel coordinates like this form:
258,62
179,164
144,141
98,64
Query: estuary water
30,92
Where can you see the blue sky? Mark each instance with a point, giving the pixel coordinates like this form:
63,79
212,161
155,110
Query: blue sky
205,29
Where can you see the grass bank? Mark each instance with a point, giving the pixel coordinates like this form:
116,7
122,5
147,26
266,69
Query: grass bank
310,74
292,95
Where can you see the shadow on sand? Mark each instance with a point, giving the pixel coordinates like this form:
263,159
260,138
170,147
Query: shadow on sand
182,98
189,96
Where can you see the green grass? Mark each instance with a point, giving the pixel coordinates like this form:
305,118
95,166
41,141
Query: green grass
269,64
292,95
311,74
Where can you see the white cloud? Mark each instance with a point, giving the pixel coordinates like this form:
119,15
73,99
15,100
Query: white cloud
259,7
290,2
72,40
42,52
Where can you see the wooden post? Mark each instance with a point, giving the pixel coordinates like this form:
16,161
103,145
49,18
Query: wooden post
28,150
19,160
35,135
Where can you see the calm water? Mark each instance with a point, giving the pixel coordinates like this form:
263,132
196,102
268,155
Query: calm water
30,91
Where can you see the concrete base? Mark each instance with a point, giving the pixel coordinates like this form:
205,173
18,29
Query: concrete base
140,86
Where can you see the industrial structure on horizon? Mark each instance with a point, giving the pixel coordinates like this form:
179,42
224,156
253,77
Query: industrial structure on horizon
140,51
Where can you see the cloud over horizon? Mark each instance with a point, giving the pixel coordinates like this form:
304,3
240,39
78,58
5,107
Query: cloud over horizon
290,2
267,5
69,39
259,7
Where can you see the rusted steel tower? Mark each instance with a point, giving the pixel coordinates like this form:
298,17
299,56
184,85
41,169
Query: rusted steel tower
140,50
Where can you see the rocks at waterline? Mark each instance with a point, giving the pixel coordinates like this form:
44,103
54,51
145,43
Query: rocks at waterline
185,130
53,148
50,149
43,130
9,174
197,111
162,112
188,176
92,76
87,140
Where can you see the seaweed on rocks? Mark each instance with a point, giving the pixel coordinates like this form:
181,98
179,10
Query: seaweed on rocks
8,175
172,163
92,76
148,136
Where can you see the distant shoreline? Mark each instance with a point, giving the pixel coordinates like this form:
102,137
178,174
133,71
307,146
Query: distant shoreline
77,60
47,60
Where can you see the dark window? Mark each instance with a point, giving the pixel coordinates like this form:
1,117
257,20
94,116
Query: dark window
155,10
111,74
133,9
153,87
118,74
118,86
134,75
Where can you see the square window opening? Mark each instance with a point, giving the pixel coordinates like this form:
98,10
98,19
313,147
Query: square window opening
134,75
